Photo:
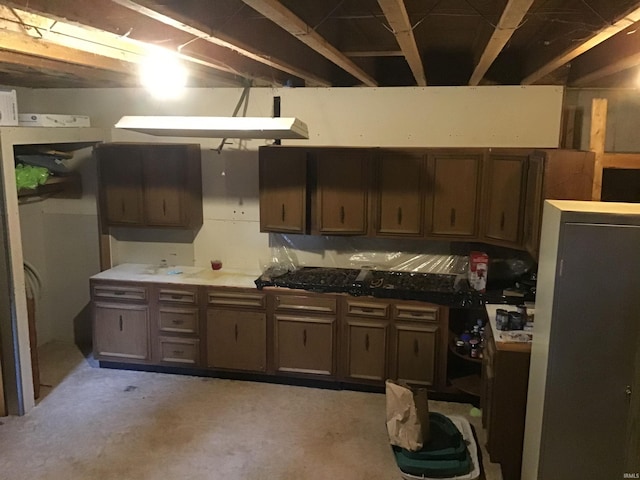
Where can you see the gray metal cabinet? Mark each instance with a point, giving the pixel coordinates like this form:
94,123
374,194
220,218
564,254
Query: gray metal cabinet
584,360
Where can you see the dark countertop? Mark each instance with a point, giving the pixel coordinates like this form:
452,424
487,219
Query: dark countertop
442,289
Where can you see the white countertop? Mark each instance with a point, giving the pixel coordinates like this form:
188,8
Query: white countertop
137,272
517,340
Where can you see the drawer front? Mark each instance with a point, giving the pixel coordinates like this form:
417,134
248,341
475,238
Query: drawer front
183,351
180,320
367,309
415,312
305,303
120,292
237,299
183,297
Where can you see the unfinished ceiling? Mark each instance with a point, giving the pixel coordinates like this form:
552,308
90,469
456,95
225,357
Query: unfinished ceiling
98,43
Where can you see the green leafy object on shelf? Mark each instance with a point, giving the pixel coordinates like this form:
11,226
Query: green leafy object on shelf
28,176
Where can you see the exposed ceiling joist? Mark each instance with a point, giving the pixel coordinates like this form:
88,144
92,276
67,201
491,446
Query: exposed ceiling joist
622,53
285,18
604,34
20,43
81,71
373,53
511,18
398,18
218,38
49,33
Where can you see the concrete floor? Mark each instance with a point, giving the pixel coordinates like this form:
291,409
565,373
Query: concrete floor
93,423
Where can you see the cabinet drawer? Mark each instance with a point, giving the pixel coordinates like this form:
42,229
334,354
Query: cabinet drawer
367,309
185,297
181,320
304,303
237,299
121,292
415,312
184,351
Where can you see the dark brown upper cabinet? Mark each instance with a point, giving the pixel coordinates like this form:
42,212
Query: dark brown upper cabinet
150,185
454,193
398,196
283,190
468,194
504,196
342,189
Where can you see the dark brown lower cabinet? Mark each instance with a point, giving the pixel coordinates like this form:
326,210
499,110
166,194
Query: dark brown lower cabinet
365,340
505,376
366,350
177,325
121,332
416,348
357,340
237,339
419,353
237,329
304,344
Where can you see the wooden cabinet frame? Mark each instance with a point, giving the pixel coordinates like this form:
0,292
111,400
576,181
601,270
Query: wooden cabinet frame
149,185
559,174
181,331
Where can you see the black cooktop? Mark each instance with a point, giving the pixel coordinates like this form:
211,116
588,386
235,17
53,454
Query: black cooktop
431,287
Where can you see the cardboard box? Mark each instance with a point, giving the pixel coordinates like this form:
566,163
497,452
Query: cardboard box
8,108
53,120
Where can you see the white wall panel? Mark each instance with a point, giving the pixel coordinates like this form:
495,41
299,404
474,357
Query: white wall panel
497,116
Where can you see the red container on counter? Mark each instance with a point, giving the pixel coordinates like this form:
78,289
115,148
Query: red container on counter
478,268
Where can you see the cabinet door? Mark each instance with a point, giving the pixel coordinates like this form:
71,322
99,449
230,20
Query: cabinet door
504,197
454,192
283,192
416,349
399,194
533,204
121,332
366,349
121,185
164,173
237,340
304,344
342,191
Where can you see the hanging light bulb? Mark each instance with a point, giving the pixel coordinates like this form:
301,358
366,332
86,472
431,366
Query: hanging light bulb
163,75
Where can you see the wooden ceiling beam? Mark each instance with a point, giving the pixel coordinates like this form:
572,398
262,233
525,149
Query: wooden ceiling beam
619,53
373,53
630,18
49,33
511,18
192,27
20,43
398,18
81,71
286,19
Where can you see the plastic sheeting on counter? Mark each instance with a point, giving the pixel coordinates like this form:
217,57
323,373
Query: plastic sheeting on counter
290,252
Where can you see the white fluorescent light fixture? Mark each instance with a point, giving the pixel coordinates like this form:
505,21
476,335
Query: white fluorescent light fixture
217,127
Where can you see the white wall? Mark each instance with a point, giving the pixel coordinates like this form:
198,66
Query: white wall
493,116
60,239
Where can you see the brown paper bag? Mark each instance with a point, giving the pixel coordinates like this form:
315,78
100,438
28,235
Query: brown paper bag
407,415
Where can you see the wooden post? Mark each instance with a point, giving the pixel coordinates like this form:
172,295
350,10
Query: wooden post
596,142
568,128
